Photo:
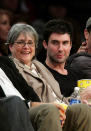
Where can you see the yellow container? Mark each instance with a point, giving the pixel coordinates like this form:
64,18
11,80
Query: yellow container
84,83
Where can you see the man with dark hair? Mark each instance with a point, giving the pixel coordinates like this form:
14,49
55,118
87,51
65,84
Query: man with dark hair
86,45
58,43
81,61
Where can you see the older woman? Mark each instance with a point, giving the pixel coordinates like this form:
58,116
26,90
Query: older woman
22,40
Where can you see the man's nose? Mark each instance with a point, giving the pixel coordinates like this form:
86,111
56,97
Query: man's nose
60,47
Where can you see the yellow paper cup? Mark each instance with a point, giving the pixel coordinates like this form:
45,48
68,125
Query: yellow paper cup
64,105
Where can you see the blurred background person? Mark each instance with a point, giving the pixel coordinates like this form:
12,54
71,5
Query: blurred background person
22,17
12,5
6,18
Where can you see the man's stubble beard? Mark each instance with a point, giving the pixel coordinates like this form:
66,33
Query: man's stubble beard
55,61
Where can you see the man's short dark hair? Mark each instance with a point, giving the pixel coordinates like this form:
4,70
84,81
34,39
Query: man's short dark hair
59,26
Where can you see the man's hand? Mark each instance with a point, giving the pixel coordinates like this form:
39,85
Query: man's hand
86,95
83,47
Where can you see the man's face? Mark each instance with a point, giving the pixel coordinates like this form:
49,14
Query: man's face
23,52
58,47
89,41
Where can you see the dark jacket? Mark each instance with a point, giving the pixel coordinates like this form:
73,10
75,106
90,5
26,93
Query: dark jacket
16,78
81,63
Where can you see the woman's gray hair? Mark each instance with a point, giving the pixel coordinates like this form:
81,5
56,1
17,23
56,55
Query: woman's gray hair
21,28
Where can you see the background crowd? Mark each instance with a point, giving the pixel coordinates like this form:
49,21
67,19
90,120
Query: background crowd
37,13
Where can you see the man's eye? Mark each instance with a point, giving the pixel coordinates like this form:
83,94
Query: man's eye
66,42
55,43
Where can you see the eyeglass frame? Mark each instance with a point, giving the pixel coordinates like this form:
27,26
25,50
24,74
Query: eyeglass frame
23,43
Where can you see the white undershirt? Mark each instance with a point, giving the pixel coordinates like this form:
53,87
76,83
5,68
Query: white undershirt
7,86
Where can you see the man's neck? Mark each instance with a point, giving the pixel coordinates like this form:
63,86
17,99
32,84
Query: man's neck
59,67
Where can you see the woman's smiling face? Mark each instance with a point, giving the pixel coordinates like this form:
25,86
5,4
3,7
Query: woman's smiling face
23,48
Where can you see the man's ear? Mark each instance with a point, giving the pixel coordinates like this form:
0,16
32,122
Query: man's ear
71,44
45,44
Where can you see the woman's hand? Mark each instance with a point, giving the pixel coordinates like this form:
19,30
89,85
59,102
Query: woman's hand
62,111
32,104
